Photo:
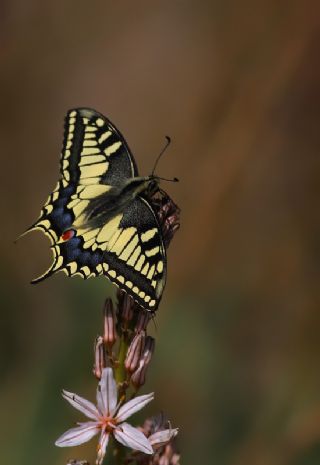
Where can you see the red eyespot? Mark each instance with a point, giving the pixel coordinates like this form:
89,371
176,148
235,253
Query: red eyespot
67,235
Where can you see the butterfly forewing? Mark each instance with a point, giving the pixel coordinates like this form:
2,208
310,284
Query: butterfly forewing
94,151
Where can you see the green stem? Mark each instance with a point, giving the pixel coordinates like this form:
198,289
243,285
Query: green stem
120,371
115,454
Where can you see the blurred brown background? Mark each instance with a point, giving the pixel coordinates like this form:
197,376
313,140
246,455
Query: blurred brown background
236,86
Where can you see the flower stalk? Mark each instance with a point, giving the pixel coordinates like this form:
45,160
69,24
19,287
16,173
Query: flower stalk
122,355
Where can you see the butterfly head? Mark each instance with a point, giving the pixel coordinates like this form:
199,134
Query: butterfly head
153,182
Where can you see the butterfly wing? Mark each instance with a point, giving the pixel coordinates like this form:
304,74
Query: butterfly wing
94,151
128,249
136,255
95,156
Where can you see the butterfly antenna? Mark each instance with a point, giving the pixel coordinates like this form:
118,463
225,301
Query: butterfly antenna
170,180
168,142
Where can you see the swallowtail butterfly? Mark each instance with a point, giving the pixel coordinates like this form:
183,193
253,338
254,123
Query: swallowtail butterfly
99,218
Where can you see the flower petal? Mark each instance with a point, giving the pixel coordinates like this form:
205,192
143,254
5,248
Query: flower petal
85,406
160,438
107,393
78,435
133,406
102,446
133,438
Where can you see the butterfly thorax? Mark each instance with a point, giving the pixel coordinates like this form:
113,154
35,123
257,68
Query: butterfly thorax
106,206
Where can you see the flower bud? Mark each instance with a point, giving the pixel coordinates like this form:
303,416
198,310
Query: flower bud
99,357
109,333
126,307
120,296
138,378
143,319
134,352
168,456
175,459
161,438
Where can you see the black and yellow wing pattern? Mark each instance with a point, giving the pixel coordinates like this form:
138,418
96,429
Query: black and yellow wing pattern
128,248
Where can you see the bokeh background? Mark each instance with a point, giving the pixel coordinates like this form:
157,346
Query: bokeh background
236,86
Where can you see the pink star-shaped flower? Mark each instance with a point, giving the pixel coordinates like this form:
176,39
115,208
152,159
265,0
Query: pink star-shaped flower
107,419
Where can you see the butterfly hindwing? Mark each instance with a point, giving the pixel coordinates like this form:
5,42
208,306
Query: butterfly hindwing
127,248
137,255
